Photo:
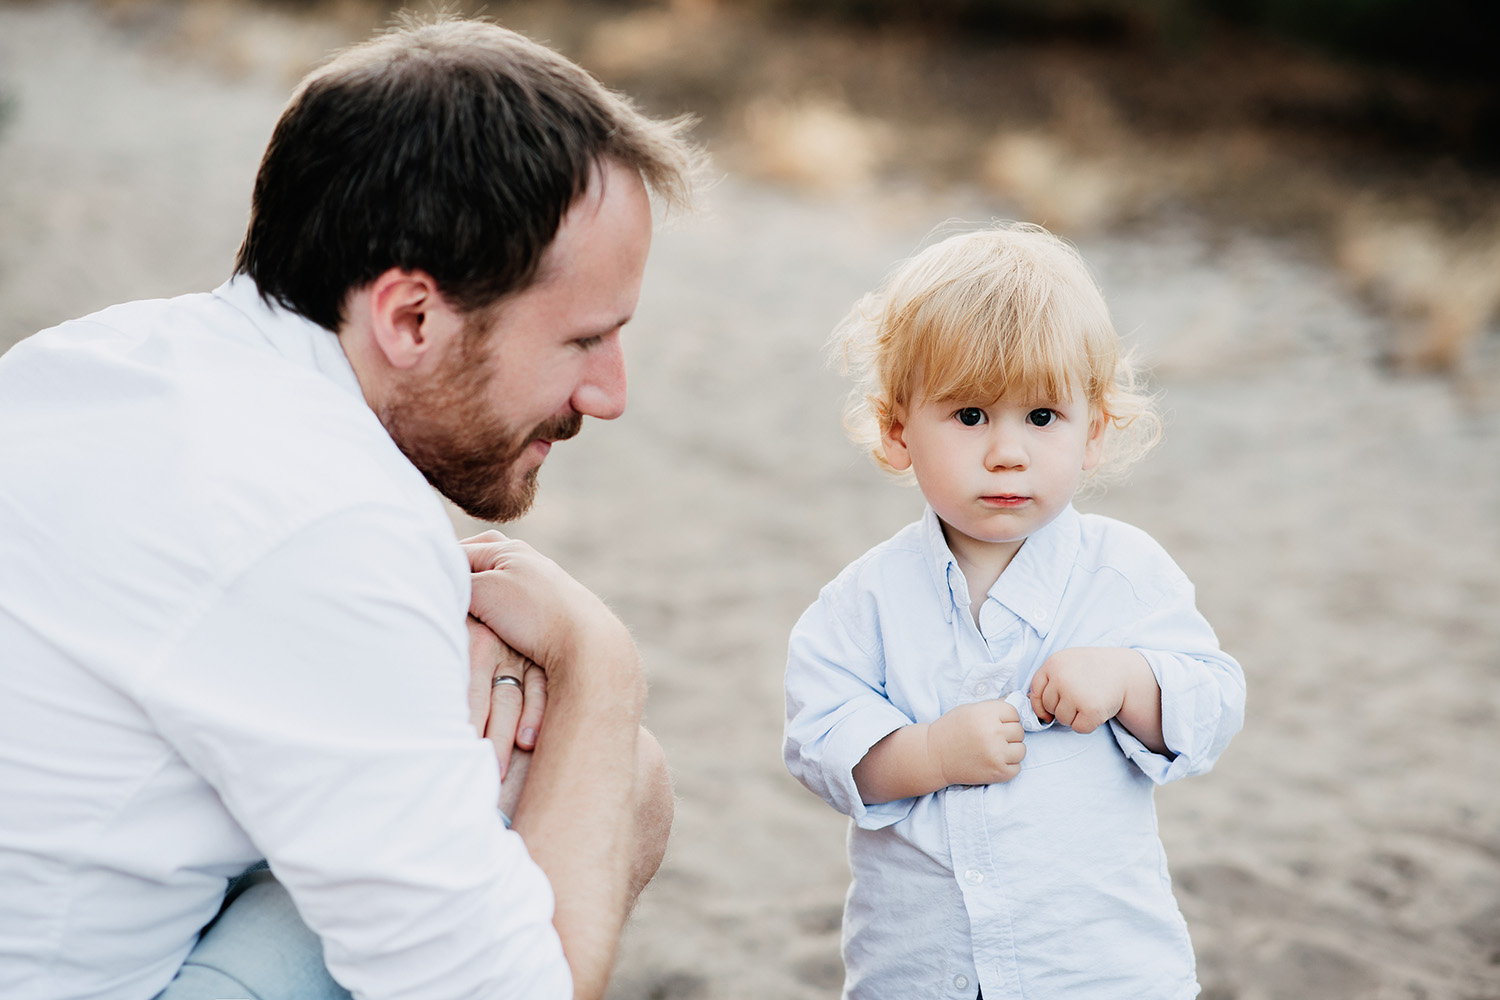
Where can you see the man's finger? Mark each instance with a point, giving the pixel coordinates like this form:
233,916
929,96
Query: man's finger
535,704
488,554
484,652
505,713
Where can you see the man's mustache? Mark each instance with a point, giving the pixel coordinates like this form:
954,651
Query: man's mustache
557,428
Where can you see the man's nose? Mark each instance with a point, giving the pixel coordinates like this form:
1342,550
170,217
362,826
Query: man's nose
602,392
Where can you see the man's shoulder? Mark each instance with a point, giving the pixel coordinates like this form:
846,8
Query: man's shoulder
177,419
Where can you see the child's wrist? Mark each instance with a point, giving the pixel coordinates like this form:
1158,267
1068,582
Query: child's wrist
936,743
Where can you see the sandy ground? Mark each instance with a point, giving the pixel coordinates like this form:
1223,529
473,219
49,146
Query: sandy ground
1342,525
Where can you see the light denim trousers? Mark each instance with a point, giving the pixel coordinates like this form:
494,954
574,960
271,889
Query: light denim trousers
257,948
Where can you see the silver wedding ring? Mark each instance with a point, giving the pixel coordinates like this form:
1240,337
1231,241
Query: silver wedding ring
504,679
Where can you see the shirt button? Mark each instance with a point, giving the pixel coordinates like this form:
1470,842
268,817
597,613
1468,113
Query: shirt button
960,982
1041,615
973,876
981,688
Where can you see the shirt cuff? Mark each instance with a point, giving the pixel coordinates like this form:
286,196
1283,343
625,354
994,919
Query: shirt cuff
847,745
1178,728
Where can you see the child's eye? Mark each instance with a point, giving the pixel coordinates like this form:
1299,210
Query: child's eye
970,416
1041,417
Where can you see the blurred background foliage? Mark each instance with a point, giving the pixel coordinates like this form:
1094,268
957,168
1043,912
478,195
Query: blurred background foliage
1366,130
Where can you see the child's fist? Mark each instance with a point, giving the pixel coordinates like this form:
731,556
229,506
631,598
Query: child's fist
978,743
1082,688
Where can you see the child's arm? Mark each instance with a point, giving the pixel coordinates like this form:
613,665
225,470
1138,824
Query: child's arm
1180,697
974,744
1086,686
836,705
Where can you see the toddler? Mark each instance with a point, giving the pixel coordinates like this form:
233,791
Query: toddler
992,694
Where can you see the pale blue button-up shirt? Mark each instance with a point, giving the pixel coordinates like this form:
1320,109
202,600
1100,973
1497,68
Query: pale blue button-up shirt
1053,884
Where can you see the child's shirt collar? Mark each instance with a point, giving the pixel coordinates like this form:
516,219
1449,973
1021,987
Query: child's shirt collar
1032,585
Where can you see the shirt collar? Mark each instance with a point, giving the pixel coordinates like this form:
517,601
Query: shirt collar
1032,585
294,337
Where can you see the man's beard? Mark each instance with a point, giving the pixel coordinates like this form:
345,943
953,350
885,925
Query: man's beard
445,429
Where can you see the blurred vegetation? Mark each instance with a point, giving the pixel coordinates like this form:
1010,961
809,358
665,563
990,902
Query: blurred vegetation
1449,43
1367,131
1447,38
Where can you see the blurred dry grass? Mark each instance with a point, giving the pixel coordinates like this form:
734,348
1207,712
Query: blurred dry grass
1079,136
1083,137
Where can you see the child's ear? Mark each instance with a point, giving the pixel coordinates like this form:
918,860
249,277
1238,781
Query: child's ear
1093,449
893,439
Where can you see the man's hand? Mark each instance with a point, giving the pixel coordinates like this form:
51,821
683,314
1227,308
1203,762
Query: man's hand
978,744
534,607
1086,686
595,804
509,714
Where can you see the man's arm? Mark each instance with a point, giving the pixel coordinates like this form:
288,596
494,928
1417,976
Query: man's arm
319,694
578,808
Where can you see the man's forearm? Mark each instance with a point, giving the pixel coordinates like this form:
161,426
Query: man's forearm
576,812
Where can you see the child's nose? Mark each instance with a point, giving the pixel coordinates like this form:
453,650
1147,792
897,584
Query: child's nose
1007,448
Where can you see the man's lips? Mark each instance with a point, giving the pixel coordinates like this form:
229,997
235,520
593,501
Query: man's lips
557,429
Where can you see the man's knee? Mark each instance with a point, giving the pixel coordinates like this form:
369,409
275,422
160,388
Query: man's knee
655,807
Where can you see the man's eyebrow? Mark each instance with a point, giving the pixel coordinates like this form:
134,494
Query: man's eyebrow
604,329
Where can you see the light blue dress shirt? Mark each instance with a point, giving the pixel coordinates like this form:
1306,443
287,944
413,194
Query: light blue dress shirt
1053,884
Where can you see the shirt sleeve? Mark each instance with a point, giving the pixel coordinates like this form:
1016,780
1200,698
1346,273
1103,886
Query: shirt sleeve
320,691
836,710
1202,687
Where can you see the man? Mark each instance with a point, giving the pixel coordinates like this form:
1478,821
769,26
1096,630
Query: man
232,613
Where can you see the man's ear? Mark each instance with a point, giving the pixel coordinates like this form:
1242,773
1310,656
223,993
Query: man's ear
893,438
1093,449
410,321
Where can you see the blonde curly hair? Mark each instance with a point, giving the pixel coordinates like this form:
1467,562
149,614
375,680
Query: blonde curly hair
1010,311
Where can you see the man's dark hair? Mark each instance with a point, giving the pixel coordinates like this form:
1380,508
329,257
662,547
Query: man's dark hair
453,148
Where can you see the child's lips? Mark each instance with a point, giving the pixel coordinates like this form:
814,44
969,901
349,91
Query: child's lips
1005,500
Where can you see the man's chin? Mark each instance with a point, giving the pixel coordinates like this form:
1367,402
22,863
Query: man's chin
507,503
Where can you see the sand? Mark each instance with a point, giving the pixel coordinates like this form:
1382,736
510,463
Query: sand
1342,525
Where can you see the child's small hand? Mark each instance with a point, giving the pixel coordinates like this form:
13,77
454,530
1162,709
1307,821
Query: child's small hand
1082,688
978,743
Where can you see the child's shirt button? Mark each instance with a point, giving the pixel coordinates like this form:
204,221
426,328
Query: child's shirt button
973,876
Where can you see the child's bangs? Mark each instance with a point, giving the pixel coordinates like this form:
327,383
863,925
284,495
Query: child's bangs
980,362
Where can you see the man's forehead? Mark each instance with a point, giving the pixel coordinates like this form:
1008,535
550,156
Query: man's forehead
572,228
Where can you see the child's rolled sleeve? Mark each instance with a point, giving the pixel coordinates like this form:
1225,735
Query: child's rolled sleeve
1202,688
836,710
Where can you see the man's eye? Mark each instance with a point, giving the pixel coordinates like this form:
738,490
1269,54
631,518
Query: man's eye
1041,417
970,416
